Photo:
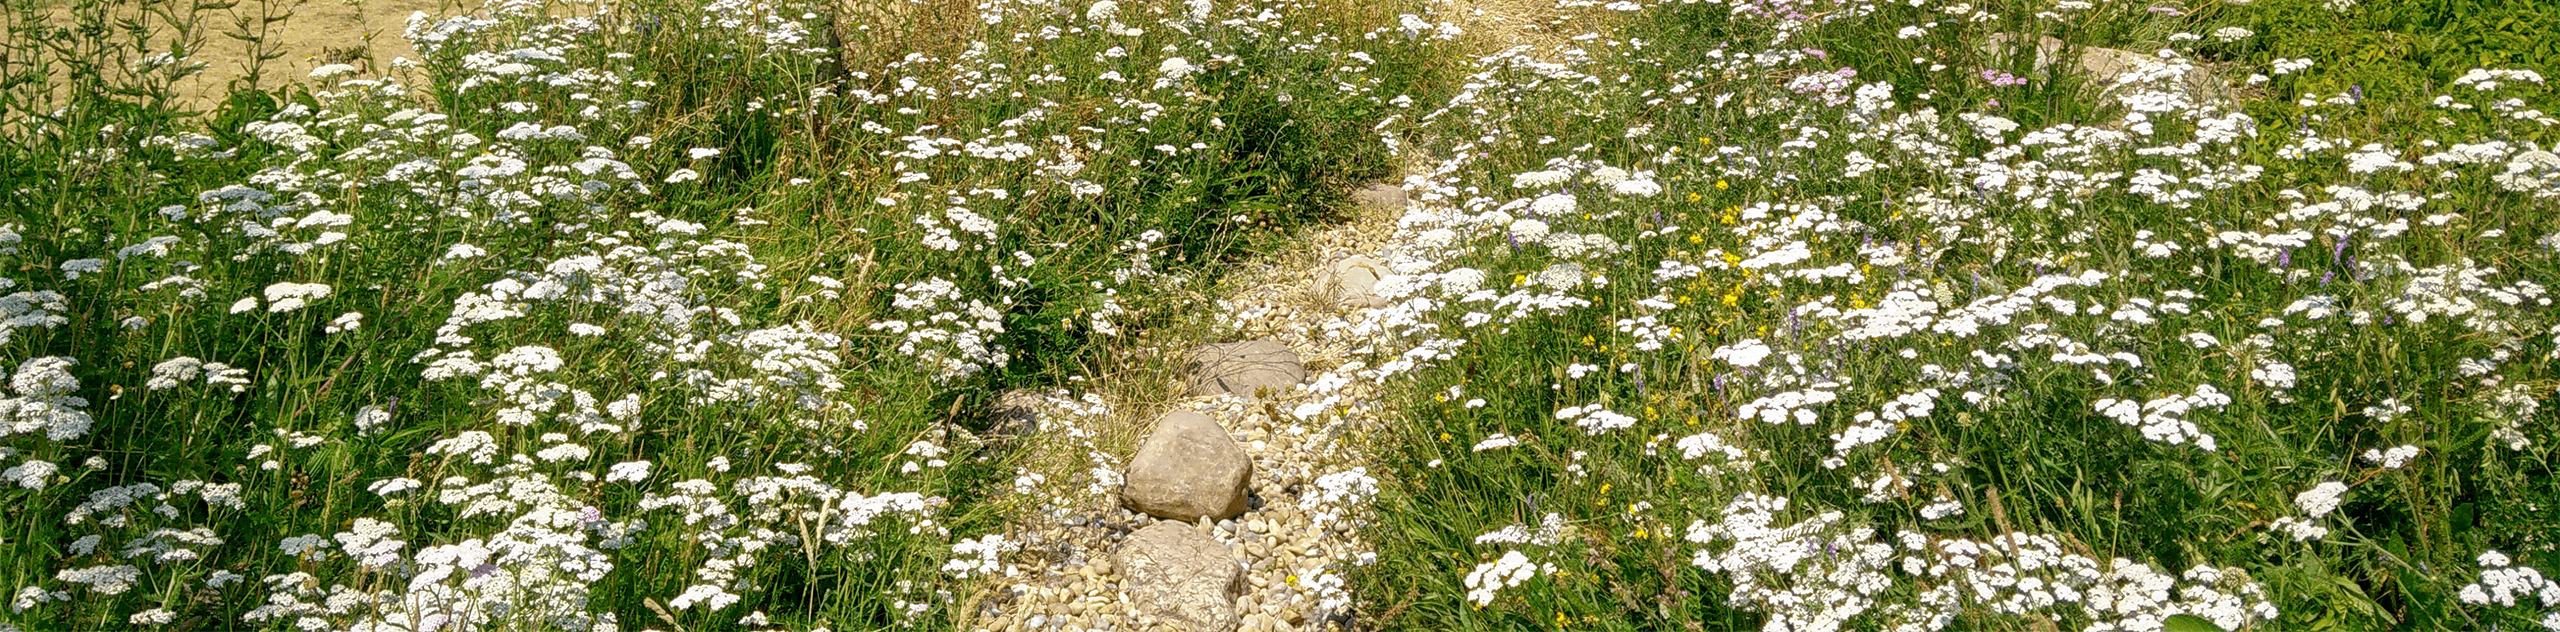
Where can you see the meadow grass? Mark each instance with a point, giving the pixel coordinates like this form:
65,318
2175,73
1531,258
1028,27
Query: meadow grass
650,315
1830,315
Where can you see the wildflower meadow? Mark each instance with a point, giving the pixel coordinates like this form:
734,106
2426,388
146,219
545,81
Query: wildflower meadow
1785,315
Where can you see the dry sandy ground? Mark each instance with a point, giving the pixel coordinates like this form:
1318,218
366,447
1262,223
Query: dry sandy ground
316,33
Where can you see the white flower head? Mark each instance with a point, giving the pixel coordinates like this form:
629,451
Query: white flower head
2321,499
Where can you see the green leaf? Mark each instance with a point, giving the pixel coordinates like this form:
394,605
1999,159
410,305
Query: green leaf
2188,623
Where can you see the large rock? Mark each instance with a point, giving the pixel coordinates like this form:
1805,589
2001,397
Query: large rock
1187,469
1243,368
1381,196
1182,577
1353,281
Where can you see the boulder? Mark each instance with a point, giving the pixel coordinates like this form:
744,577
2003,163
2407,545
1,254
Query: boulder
1186,469
1243,368
1182,577
1353,281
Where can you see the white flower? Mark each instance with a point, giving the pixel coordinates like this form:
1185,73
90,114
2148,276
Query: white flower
74,268
633,471
2391,459
706,594
1175,68
2302,530
346,322
286,297
156,617
1528,230
104,580
1512,569
1639,188
244,305
1539,179
1103,11
1747,353
389,486
1561,277
2321,499
1554,204
31,474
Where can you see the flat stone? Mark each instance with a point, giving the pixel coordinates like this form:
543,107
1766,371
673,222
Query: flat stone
1186,469
1381,196
1353,281
1182,577
1243,368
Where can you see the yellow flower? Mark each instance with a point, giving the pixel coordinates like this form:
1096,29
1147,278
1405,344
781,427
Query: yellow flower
1693,196
1444,436
1720,185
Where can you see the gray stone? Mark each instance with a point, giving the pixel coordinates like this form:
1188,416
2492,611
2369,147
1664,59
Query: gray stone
1353,281
1016,414
1186,469
1243,368
1381,196
1182,577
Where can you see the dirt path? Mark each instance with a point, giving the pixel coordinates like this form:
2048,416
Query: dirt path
307,34
1306,482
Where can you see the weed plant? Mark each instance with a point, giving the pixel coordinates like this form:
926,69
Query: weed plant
611,315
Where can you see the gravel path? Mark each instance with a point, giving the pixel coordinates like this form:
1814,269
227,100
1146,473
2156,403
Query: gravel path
1307,487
